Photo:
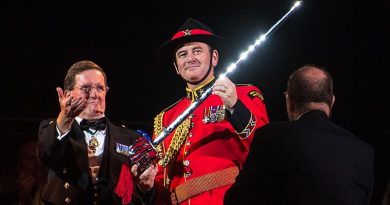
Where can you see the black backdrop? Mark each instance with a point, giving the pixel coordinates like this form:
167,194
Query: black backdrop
41,39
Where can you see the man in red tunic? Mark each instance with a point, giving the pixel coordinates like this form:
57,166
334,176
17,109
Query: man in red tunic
203,155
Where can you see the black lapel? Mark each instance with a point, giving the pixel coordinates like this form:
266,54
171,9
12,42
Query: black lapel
104,166
114,160
80,147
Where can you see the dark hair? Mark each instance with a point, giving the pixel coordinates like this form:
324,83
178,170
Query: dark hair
303,88
77,68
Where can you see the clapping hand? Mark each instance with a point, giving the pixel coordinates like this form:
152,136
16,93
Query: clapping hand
70,108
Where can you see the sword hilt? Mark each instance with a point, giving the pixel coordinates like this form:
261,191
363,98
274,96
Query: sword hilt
143,154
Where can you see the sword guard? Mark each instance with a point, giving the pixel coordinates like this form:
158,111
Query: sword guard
143,154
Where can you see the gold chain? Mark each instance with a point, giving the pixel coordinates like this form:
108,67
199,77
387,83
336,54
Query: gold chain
177,141
158,126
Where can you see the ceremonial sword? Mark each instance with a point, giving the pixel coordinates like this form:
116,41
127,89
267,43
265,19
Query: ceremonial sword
143,152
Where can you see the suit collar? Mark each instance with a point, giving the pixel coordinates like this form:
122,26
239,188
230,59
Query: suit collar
313,114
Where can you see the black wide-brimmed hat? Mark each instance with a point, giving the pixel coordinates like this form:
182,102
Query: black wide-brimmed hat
191,31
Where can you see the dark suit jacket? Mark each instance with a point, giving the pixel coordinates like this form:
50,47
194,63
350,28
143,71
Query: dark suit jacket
309,161
68,163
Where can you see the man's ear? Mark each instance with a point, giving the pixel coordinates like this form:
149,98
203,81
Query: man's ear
214,58
290,105
177,70
334,98
290,109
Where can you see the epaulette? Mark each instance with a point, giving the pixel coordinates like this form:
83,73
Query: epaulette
246,84
254,93
169,107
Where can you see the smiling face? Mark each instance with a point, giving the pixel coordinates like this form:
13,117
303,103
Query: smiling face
193,61
91,84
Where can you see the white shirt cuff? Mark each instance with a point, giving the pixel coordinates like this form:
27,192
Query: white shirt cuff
60,137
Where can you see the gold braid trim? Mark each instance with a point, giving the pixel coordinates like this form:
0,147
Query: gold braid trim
177,141
158,127
195,93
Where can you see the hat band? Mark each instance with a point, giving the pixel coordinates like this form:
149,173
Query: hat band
189,32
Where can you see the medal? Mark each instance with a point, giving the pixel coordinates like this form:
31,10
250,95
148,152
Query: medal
93,144
221,114
214,114
124,149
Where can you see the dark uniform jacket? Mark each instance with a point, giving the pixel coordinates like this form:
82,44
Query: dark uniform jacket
309,161
68,180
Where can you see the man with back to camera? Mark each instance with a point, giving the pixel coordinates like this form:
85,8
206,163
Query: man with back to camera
309,160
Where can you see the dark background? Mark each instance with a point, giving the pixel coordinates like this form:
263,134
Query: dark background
41,39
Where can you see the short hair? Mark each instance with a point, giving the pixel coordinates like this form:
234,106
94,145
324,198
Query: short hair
303,88
77,68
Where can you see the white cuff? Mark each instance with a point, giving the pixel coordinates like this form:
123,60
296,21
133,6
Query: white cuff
60,137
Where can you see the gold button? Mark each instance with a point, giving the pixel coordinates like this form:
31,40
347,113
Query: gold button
64,171
187,153
186,163
96,194
67,200
187,174
95,187
192,124
188,143
190,134
66,185
95,202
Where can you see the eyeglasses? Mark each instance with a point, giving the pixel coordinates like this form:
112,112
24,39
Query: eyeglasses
87,89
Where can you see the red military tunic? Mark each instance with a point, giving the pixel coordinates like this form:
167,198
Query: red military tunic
210,142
